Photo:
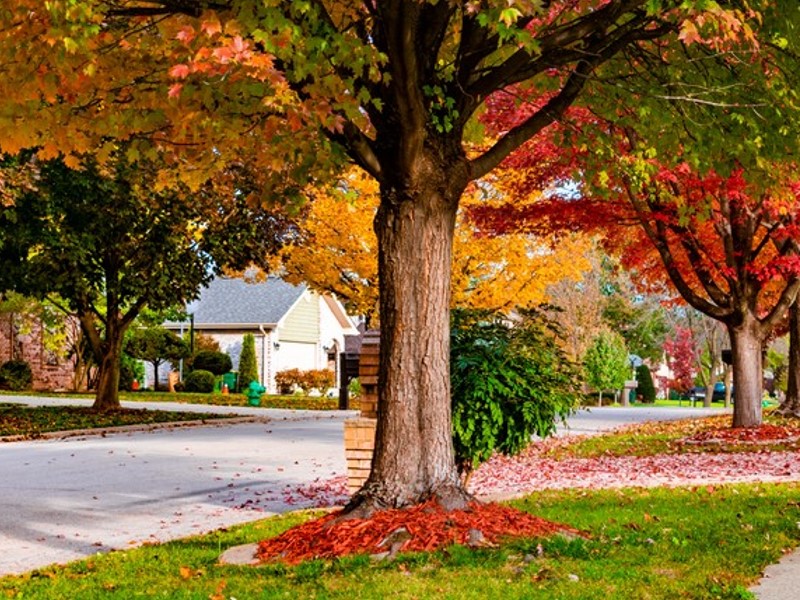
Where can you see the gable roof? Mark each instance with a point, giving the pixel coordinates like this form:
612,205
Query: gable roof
228,302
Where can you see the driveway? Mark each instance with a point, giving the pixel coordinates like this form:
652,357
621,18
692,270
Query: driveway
66,499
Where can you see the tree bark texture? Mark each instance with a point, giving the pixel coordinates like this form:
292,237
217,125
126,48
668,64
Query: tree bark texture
746,340
414,458
790,406
107,397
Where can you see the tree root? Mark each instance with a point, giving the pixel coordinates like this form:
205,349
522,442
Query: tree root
788,410
373,498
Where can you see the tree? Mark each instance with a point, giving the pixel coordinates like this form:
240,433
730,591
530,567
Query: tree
109,244
155,345
645,387
393,85
217,363
681,351
606,363
248,369
640,321
791,404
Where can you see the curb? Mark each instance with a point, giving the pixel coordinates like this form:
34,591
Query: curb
104,431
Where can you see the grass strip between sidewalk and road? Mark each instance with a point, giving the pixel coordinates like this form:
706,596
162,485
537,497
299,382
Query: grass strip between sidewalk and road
295,401
702,542
28,422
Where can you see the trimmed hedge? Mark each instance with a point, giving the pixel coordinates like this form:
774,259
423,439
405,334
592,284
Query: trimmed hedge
199,381
218,363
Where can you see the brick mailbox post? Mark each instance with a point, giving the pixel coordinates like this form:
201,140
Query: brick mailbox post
359,433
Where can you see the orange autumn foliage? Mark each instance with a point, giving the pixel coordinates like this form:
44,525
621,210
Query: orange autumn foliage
337,253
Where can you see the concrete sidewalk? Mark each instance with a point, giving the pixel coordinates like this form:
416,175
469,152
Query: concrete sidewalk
781,581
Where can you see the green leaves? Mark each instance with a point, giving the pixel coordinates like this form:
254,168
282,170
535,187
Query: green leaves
606,362
509,382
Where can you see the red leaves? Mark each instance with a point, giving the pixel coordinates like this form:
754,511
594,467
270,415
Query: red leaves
682,358
764,433
425,527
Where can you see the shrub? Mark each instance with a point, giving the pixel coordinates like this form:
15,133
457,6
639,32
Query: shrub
248,367
199,381
218,363
645,387
290,380
129,369
287,380
508,383
318,379
15,375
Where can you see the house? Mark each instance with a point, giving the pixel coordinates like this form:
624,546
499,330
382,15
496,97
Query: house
50,370
294,327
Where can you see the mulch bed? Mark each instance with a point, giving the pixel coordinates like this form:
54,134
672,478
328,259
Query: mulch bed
425,527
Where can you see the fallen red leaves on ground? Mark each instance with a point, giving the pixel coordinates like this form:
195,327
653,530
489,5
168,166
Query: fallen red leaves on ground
424,527
763,433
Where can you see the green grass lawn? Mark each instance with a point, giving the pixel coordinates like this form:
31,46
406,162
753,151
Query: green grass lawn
30,421
706,542
297,402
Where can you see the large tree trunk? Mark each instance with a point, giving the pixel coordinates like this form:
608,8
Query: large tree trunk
414,458
107,397
791,404
747,369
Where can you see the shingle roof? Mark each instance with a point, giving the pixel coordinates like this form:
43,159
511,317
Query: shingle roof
236,301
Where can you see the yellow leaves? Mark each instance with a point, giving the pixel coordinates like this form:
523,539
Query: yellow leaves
70,45
339,254
211,25
717,27
689,33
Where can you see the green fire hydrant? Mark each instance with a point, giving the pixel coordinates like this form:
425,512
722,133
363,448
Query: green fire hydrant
253,393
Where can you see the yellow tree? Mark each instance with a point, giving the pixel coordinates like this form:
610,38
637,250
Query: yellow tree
337,253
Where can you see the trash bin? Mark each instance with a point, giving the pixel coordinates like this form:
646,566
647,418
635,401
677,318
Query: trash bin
229,379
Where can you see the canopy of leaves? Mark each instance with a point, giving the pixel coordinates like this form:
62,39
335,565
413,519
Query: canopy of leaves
335,251
105,241
681,350
155,344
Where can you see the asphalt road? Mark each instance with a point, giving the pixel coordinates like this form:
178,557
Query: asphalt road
61,500
66,499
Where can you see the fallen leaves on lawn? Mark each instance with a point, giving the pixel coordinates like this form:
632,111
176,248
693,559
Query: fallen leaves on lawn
753,435
424,527
530,471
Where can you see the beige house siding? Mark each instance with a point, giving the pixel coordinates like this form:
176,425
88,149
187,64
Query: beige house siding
302,322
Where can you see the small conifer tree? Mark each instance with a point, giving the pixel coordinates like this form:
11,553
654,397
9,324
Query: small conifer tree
248,367
645,388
